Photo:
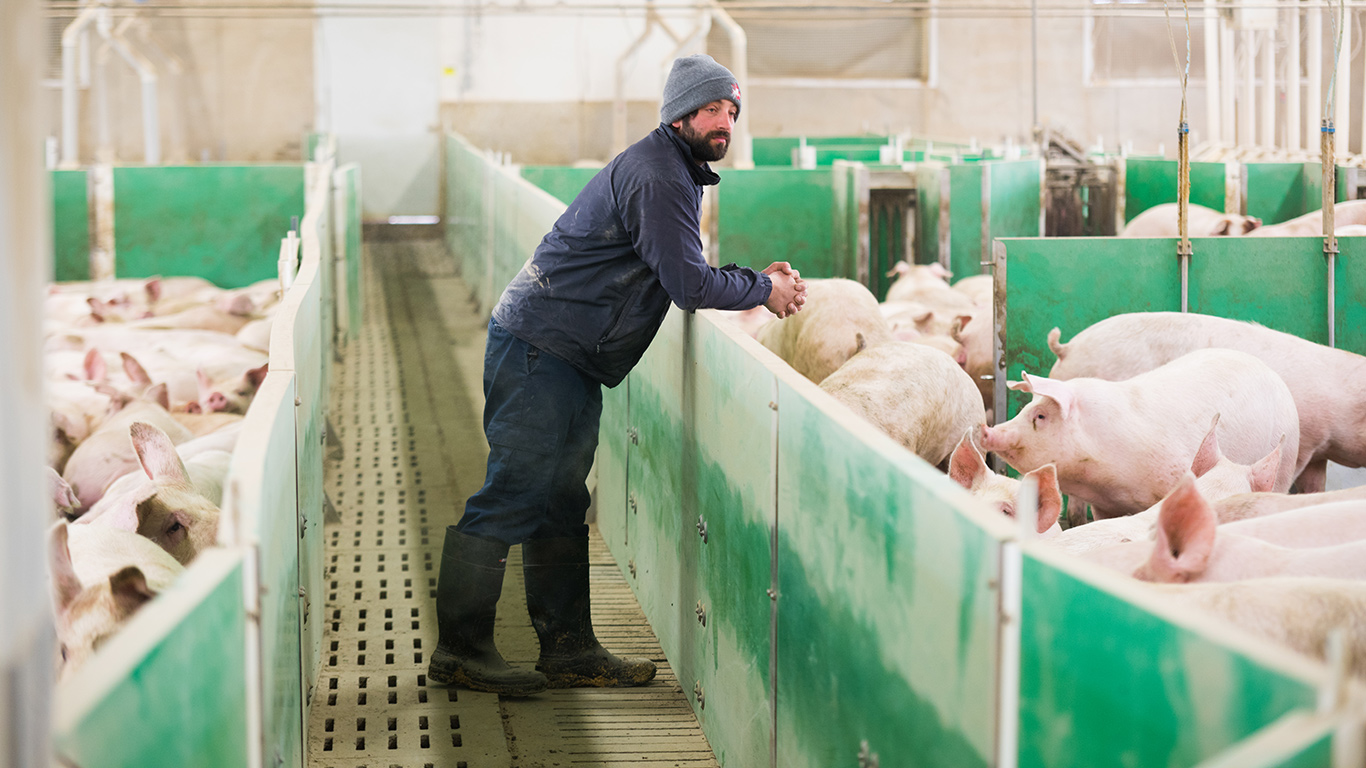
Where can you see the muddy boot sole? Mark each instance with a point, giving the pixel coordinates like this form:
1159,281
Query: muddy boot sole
629,674
449,670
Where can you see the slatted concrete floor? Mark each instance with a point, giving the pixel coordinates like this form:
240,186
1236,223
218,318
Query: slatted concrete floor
406,407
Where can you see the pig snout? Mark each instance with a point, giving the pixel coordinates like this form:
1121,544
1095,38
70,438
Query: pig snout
217,402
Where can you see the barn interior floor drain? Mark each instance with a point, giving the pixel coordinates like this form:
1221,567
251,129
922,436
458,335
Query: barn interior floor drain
406,407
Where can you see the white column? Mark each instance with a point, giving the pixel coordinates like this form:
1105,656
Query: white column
1342,120
1268,131
1214,129
1247,109
1228,83
25,506
1314,72
1292,79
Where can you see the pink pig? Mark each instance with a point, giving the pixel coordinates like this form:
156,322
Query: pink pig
1123,445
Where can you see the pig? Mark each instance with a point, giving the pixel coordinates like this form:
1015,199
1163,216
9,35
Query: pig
921,318
1217,477
969,469
1245,506
1298,613
917,395
208,471
1160,221
201,424
911,279
1188,545
979,288
231,396
1121,446
165,505
973,332
1351,230
1321,525
931,291
748,320
256,334
201,317
840,318
1325,382
1345,214
108,454
100,578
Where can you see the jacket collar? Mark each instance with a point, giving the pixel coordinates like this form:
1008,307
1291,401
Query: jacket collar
702,174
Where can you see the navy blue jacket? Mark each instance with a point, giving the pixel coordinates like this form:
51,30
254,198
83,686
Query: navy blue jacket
598,287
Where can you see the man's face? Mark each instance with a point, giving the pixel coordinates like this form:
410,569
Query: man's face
708,131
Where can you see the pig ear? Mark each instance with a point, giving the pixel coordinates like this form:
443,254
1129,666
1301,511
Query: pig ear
153,289
1050,496
1251,223
1185,535
967,466
136,373
95,369
1225,225
940,271
900,268
130,590
160,395
98,308
860,344
258,375
922,317
1058,391
1208,454
65,585
157,454
205,383
62,495
1262,475
240,305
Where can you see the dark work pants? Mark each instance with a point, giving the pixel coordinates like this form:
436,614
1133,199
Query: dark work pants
541,418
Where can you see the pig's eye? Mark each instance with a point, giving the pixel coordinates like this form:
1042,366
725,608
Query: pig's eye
64,652
1010,511
1038,419
175,526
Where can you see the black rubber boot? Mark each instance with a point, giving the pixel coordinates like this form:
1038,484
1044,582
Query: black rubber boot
466,601
557,598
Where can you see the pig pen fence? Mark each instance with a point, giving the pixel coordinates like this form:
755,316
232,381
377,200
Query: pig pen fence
218,670
1273,192
827,598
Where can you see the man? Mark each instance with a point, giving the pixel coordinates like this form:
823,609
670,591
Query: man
579,316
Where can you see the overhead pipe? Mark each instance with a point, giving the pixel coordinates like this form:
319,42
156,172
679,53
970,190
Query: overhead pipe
1292,79
147,74
71,39
619,93
739,66
1247,114
1214,128
1313,93
1268,88
173,64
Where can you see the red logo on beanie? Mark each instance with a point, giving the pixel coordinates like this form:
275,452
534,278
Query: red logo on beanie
735,90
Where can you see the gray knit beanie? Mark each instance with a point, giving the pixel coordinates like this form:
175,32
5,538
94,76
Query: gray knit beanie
696,81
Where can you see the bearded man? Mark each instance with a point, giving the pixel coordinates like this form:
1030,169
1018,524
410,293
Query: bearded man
578,317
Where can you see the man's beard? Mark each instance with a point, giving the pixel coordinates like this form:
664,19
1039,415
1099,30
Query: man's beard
701,146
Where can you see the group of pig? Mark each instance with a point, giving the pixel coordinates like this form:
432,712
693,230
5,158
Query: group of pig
1184,434
147,382
1349,219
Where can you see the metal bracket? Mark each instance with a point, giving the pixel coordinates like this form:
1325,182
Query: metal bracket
298,401
631,566
772,594
867,758
631,500
633,436
772,406
702,528
701,613
702,699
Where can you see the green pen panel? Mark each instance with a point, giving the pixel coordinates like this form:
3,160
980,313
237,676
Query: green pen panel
1152,182
220,222
70,226
564,183
1106,682
778,214
888,624
184,701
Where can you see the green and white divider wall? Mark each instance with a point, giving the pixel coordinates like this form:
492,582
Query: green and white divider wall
962,207
218,671
827,598
1273,192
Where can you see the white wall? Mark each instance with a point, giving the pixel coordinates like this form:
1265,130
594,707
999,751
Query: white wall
26,629
377,91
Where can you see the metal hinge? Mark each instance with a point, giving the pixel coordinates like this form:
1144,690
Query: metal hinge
633,435
631,500
702,699
701,613
631,566
702,528
866,757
